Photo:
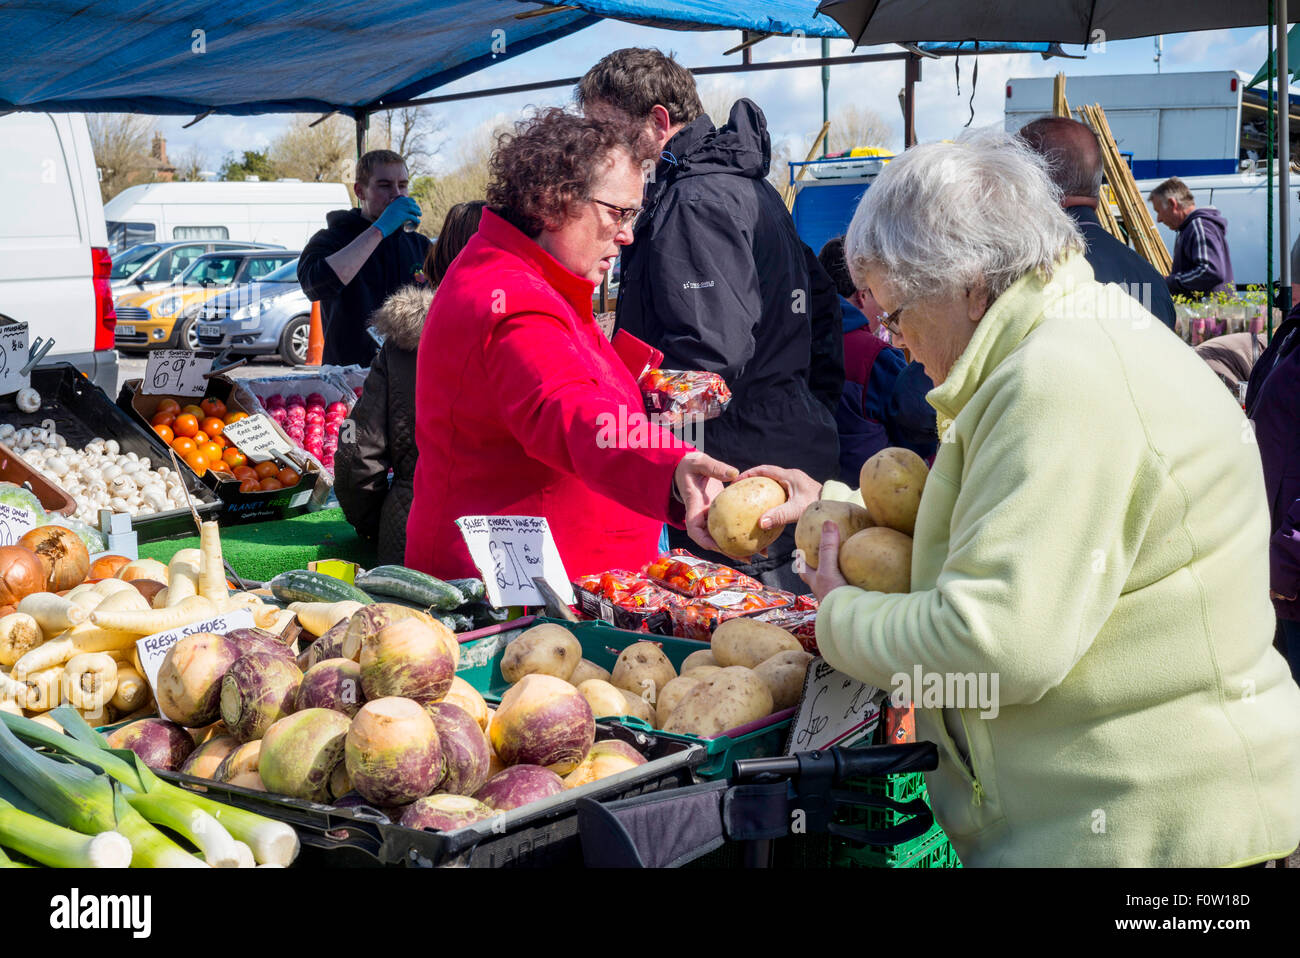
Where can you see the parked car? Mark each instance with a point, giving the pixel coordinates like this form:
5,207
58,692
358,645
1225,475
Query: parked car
54,259
262,318
154,265
166,318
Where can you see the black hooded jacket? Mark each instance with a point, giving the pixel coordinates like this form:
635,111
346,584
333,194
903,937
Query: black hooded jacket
346,310
718,279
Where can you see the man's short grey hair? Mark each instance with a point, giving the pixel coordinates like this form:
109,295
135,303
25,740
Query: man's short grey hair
946,216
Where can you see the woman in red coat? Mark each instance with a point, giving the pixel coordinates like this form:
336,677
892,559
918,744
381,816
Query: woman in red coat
522,406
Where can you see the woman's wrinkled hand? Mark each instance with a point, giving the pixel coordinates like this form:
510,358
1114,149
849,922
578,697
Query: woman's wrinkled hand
801,491
698,480
827,576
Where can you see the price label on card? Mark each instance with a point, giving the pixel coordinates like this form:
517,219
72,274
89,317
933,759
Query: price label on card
257,438
833,710
176,372
153,648
13,357
14,524
510,551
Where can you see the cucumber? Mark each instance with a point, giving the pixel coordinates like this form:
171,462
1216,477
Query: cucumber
484,614
403,583
472,589
455,621
299,585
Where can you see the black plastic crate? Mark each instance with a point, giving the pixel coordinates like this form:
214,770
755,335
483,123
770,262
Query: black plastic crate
81,411
541,834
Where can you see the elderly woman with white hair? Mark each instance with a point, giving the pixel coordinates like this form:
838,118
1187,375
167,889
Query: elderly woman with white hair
1093,535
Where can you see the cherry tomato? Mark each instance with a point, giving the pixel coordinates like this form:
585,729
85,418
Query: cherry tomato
249,485
171,406
265,470
270,483
185,425
165,434
200,437
184,446
161,418
195,411
211,451
212,426
198,462
216,465
245,472
288,478
235,417
213,407
221,441
233,457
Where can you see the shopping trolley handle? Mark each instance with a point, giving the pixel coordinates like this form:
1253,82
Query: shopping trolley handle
843,764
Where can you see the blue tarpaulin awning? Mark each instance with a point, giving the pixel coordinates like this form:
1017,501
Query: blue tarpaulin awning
272,56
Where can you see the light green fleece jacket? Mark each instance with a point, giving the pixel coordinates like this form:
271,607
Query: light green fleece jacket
1094,532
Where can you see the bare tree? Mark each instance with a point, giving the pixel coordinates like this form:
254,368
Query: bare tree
853,126
466,181
190,165
410,131
121,143
323,153
717,97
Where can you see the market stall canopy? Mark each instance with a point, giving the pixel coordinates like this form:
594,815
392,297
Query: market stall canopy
1270,65
1061,21
273,56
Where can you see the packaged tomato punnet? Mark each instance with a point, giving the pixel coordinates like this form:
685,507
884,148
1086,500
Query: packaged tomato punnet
688,575
698,617
677,396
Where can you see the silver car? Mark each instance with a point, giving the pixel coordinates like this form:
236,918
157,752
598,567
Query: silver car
272,315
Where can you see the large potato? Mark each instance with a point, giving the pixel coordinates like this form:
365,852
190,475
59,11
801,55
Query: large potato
643,669
849,516
672,695
702,670
734,515
604,699
748,642
878,559
545,649
696,659
891,482
784,674
588,670
727,699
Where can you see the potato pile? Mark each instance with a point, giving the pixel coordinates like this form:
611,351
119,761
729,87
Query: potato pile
752,670
876,537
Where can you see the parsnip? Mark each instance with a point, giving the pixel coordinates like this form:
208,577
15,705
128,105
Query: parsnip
86,596
54,614
160,600
106,587
90,680
128,601
192,609
44,690
276,621
319,617
86,637
132,690
182,579
19,634
212,570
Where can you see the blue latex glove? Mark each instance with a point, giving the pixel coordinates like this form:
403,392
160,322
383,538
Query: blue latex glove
398,212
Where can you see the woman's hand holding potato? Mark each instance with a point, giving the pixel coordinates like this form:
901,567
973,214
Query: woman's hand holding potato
801,491
698,479
827,576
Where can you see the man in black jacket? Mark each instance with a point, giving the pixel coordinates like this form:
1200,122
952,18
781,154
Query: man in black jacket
1076,167
362,256
719,280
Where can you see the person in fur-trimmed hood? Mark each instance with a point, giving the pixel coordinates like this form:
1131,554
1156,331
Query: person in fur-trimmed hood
382,436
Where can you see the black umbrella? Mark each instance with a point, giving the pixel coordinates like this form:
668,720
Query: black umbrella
1061,21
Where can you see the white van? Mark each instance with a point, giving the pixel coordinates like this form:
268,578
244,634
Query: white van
280,213
54,259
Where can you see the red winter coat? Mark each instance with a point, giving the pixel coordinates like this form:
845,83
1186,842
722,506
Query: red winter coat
518,395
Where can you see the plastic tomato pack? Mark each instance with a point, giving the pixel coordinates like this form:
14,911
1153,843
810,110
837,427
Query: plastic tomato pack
695,577
626,599
697,618
801,623
676,396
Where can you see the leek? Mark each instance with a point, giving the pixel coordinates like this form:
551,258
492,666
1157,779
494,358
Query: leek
60,847
7,862
207,834
271,841
90,803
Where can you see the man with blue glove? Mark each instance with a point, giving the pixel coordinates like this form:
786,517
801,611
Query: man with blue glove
362,256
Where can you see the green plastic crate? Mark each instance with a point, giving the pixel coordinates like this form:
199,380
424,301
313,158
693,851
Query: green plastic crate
921,852
480,666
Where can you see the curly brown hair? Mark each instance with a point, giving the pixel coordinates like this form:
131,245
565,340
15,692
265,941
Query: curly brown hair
551,161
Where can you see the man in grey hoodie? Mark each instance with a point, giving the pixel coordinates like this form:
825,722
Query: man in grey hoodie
1201,260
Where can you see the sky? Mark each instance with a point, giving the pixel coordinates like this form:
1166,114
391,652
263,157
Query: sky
791,99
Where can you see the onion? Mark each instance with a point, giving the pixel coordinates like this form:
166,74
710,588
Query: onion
61,553
21,573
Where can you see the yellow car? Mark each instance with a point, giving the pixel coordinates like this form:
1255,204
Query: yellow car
166,318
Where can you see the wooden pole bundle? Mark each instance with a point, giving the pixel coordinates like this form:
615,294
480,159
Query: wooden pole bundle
1061,107
1132,206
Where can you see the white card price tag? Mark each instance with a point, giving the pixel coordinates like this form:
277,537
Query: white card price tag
257,438
510,551
13,357
175,372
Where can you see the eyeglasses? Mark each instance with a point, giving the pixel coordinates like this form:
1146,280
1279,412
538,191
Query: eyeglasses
890,322
626,214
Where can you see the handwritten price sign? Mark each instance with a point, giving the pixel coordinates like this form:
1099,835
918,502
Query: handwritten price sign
176,372
833,710
257,439
13,357
510,551
14,524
